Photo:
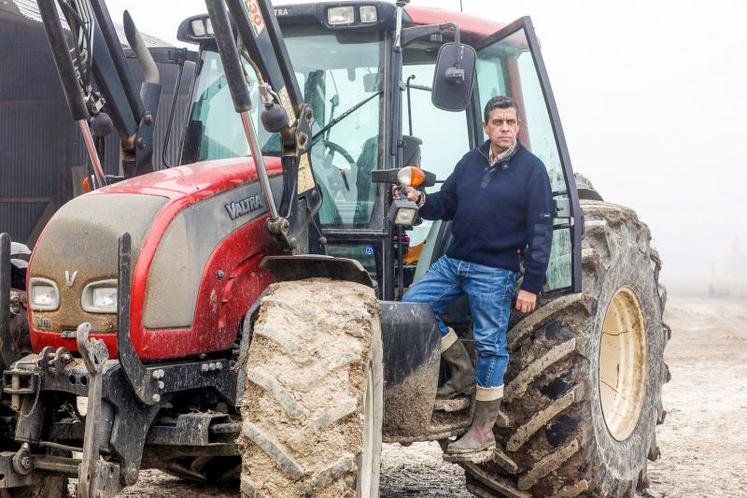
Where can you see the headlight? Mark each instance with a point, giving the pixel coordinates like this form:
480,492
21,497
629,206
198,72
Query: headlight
100,297
44,294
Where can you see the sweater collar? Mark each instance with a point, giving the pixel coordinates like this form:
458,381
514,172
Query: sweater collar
504,162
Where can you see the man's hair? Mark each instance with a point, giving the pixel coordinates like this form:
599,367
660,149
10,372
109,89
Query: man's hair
499,102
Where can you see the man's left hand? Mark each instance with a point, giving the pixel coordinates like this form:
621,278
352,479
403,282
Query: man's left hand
526,301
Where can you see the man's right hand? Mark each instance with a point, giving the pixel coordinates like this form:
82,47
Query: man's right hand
412,194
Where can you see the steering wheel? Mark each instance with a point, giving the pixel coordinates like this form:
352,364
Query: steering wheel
333,149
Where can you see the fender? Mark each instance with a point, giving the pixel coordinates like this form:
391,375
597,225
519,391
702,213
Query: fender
316,265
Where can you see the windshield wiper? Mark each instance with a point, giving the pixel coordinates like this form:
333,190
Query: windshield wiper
343,116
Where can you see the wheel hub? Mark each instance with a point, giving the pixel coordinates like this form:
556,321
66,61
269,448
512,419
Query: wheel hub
622,364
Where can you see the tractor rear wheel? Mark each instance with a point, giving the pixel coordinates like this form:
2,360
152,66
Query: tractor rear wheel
583,388
313,406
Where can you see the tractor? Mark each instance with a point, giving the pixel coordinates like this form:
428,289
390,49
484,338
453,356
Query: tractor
238,317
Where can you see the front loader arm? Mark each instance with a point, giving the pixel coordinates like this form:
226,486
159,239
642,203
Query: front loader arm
283,112
98,84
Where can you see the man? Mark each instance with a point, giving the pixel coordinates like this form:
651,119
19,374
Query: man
500,201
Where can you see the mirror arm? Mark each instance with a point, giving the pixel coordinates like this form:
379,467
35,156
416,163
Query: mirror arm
413,33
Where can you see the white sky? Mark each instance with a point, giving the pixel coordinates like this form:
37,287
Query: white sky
653,103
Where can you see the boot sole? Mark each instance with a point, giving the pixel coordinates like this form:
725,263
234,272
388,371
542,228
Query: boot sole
476,456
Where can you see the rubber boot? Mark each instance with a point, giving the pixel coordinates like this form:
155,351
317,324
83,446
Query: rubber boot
478,444
461,380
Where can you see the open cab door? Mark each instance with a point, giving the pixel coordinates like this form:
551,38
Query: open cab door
509,63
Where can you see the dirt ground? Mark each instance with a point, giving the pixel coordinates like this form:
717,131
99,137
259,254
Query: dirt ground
703,440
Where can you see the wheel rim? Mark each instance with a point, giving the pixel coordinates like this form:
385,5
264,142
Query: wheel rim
622,364
367,450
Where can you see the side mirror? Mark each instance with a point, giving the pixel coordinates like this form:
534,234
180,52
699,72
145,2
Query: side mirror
454,76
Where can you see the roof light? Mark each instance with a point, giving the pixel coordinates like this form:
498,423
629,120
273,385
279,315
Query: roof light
195,29
339,16
198,28
369,14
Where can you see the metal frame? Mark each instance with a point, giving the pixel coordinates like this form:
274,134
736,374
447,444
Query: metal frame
525,24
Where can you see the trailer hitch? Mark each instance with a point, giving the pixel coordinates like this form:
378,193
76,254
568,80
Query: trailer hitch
97,478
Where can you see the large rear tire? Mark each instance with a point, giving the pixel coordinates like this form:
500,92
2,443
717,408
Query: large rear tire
583,387
313,407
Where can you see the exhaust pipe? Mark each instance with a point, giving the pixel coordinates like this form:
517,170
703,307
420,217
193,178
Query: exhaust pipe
150,94
144,57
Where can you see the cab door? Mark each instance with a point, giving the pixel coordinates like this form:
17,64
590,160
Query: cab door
509,63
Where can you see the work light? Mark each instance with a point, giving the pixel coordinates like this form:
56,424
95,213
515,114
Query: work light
403,212
368,14
339,16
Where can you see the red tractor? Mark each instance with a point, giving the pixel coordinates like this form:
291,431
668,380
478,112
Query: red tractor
238,317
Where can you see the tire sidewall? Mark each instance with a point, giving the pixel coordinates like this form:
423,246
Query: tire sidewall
629,266
375,365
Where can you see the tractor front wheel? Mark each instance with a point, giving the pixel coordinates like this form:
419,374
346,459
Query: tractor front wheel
313,406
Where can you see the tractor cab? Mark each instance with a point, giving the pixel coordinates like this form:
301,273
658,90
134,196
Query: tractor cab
374,109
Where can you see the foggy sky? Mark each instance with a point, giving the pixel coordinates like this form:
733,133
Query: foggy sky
653,104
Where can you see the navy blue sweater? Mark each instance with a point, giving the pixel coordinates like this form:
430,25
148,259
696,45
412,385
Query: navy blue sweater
498,213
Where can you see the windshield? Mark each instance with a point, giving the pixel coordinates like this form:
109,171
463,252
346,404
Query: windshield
339,76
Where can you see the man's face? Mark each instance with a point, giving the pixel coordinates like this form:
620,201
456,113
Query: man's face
502,127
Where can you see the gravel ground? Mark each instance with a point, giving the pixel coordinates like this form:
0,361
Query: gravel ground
703,440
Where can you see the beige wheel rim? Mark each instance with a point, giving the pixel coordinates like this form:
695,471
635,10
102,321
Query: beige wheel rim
367,450
622,364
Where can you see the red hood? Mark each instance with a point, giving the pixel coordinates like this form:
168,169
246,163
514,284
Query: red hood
198,180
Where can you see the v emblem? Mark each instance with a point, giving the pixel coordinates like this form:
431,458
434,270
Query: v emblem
70,277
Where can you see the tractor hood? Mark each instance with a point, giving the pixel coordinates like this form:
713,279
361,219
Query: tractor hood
77,251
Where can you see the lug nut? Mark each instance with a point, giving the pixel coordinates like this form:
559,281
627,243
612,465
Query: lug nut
156,397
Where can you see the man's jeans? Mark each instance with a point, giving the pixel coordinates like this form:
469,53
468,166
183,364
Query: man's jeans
490,291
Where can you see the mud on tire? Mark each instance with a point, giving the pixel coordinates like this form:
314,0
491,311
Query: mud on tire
313,406
563,412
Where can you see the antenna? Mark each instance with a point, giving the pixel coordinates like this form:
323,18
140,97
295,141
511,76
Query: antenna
461,7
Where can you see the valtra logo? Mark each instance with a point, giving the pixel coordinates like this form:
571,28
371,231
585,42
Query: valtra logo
236,209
